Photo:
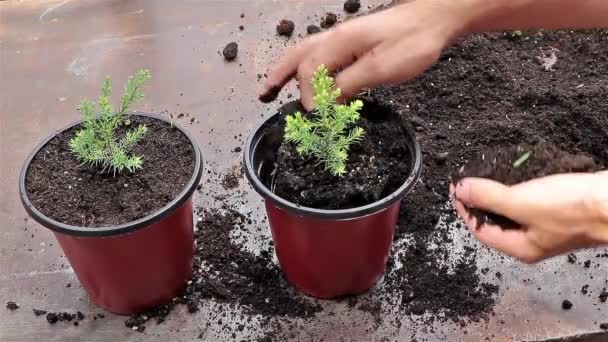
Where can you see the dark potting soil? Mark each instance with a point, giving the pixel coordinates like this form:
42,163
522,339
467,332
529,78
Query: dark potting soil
39,312
488,92
65,190
231,51
518,164
329,20
352,6
54,317
285,28
226,272
377,166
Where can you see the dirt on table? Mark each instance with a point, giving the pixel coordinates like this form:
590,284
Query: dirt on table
312,29
285,28
226,272
329,20
376,167
352,6
64,189
518,164
231,51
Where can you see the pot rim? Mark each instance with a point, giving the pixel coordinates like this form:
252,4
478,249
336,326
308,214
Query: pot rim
339,214
124,228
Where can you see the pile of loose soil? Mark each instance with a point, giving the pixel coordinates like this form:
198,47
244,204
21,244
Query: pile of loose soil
226,272
488,92
377,166
60,187
519,164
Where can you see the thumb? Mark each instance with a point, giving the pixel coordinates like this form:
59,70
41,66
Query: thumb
485,194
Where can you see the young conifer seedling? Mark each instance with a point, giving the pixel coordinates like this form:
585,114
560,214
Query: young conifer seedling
96,143
328,135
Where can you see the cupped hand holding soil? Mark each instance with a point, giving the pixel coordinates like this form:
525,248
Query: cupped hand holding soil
556,201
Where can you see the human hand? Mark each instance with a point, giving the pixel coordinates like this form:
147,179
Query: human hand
384,48
557,213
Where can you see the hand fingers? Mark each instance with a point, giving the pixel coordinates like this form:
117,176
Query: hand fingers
287,67
388,63
336,49
487,195
513,242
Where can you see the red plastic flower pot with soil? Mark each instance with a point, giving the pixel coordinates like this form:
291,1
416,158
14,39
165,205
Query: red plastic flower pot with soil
333,218
116,190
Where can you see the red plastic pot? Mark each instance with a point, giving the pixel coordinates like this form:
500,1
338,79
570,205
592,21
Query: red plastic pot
325,253
137,265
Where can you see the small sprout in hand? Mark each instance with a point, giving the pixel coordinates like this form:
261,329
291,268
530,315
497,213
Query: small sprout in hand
521,160
96,143
329,135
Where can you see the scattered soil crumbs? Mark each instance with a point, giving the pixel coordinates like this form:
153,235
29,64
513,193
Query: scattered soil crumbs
566,304
285,28
352,6
226,272
38,312
329,20
231,51
312,29
603,295
54,317
516,165
232,177
65,190
12,306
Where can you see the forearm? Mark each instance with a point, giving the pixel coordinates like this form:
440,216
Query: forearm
491,15
599,209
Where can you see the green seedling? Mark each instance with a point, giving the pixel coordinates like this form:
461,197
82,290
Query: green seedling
96,144
328,135
521,160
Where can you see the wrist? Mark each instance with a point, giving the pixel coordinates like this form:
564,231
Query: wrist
487,15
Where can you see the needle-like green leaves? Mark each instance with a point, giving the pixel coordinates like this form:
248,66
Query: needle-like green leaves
96,143
329,135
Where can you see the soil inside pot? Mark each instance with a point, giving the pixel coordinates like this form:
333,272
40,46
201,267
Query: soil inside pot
376,167
60,187
519,164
